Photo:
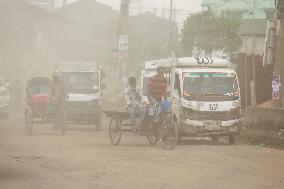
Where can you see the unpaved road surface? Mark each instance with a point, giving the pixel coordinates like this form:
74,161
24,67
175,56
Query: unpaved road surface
84,158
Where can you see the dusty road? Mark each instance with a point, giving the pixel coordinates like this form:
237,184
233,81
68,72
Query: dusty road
84,158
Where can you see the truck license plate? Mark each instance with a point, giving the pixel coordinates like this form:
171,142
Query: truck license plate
211,125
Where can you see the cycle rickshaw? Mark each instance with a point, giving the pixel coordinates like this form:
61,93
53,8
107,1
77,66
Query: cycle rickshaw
163,132
39,107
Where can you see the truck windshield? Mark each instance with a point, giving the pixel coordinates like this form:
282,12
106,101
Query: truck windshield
81,82
210,84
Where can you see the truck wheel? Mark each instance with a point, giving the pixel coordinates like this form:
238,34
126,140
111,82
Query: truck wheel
231,139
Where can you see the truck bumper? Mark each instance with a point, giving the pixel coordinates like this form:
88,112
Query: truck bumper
209,127
83,113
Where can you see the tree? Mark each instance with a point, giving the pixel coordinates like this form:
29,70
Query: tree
207,32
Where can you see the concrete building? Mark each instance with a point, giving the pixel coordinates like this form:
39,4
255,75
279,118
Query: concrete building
32,40
97,26
252,16
150,36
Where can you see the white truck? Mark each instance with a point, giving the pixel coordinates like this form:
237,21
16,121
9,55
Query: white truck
84,87
205,96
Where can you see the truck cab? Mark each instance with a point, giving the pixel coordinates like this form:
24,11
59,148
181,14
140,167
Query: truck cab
205,98
83,84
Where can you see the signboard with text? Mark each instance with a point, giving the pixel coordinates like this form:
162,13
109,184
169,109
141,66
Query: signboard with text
276,84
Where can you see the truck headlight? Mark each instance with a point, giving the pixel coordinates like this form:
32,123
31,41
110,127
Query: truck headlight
186,104
236,104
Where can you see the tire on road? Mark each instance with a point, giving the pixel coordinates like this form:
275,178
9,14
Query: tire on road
115,130
152,133
169,133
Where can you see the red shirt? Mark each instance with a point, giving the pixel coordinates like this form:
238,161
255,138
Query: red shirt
157,87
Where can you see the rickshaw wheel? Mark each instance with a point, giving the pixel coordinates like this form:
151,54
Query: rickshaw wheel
28,123
152,133
115,130
168,133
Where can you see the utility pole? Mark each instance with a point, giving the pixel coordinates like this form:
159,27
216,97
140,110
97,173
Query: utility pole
253,83
171,29
123,32
279,56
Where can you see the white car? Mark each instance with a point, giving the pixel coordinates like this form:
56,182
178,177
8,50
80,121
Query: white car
4,99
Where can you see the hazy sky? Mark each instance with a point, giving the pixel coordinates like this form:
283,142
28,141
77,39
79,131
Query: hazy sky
183,7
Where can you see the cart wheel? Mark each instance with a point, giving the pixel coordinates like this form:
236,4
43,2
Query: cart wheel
152,133
115,130
28,123
168,133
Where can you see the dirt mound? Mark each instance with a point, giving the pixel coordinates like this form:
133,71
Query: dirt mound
273,138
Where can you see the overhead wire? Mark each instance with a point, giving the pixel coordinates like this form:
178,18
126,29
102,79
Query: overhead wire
222,4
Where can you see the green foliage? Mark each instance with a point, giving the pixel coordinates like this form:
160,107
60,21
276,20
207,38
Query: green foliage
207,32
